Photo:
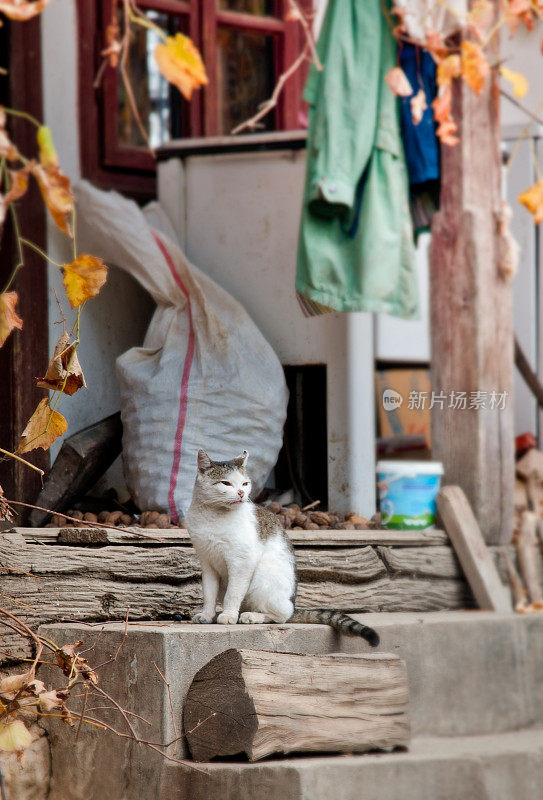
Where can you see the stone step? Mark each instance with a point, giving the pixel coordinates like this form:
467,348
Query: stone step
492,767
470,674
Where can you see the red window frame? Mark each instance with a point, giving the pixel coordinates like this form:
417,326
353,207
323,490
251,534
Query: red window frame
132,169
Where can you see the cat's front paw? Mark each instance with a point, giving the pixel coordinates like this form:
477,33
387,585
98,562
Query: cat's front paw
202,619
227,618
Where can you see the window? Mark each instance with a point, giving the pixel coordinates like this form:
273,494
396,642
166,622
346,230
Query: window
245,44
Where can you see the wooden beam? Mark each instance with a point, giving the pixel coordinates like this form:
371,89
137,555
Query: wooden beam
157,537
471,315
473,554
25,353
259,703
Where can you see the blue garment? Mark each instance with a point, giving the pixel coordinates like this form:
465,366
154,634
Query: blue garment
420,141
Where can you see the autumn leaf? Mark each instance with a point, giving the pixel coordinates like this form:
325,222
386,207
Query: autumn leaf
12,683
435,45
44,426
7,148
72,663
9,319
480,17
449,68
181,64
19,185
532,198
64,372
399,82
518,11
83,278
14,736
47,152
474,66
418,106
22,10
446,133
517,81
57,194
442,105
47,701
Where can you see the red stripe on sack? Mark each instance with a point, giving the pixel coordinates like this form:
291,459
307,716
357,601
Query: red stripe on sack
183,399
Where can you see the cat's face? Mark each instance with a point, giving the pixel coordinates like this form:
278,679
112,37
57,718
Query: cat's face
223,484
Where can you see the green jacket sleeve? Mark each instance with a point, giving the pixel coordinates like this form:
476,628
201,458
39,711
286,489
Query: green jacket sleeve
344,100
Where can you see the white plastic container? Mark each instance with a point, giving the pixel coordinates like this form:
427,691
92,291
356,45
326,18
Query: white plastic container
407,493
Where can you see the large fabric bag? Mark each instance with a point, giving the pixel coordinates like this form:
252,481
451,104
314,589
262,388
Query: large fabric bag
204,377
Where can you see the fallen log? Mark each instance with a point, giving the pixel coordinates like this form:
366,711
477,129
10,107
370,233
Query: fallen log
258,703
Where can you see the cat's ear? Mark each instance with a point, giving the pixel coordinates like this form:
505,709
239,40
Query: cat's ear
241,460
204,461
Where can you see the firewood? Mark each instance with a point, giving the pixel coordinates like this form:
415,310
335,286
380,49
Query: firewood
528,556
258,703
517,589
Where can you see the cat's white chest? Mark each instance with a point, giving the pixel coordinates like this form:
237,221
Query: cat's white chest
223,539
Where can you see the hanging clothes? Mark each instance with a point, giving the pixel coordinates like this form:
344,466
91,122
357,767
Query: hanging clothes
355,249
420,141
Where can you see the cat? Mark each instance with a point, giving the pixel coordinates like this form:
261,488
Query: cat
246,556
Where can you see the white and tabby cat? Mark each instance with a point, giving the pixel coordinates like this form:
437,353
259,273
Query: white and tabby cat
246,556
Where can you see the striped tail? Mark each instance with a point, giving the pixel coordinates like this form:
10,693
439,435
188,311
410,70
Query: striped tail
338,621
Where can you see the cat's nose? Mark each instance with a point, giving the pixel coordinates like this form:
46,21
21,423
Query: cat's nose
240,492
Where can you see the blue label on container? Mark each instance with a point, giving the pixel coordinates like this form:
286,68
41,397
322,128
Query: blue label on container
408,501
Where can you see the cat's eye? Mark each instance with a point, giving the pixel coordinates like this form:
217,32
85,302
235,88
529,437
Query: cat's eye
245,484
226,483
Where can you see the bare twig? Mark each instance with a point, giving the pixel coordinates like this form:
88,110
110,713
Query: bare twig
22,460
309,38
270,104
169,698
311,505
522,107
85,524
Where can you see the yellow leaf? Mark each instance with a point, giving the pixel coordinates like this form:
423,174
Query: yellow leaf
9,319
517,80
57,194
181,64
398,82
64,372
48,154
474,66
14,736
21,10
84,278
532,198
43,427
449,68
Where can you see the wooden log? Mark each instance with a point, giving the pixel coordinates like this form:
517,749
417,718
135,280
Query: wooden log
474,556
353,565
258,703
471,315
83,458
158,538
529,557
422,562
386,594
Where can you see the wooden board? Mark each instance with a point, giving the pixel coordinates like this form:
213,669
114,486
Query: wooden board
44,583
259,703
473,554
320,538
471,314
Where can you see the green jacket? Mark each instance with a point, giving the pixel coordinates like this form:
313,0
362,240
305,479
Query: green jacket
355,249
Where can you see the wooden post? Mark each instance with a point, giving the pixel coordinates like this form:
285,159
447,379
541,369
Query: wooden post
471,317
259,703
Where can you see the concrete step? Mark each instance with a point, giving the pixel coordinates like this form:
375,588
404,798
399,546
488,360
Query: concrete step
505,766
470,674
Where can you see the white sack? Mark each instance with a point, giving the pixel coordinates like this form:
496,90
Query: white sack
205,376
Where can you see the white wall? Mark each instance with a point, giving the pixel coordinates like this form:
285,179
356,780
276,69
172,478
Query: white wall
118,317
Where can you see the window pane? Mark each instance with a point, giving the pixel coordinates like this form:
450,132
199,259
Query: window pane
260,7
246,77
151,90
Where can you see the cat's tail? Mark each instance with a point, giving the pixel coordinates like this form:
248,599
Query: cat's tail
338,621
